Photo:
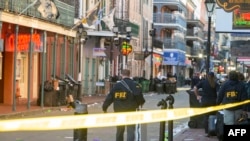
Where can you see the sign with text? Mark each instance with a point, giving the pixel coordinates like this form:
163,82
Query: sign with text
241,19
237,21
99,52
174,57
236,132
23,43
240,48
231,5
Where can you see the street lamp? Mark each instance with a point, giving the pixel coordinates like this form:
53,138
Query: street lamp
81,35
152,34
210,8
118,44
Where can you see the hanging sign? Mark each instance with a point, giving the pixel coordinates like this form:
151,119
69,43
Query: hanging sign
231,5
174,57
99,52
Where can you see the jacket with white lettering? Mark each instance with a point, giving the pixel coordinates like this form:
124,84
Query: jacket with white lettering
123,100
232,92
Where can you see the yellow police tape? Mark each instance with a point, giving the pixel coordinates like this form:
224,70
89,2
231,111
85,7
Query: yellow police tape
105,120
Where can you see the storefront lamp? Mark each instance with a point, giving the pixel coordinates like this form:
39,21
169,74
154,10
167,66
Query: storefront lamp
210,7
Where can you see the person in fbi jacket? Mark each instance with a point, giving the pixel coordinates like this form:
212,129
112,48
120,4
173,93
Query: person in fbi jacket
126,96
232,91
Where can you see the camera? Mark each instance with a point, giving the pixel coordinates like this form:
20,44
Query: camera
84,40
116,41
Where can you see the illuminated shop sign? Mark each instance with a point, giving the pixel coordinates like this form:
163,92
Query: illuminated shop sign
231,5
240,11
174,57
24,43
241,19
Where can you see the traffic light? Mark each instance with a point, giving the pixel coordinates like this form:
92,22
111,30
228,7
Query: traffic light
126,48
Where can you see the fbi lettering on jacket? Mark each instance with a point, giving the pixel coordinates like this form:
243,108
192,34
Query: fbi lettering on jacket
231,94
120,95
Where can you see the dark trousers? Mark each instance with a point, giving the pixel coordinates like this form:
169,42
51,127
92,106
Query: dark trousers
206,116
130,133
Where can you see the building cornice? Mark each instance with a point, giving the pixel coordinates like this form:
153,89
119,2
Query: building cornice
35,23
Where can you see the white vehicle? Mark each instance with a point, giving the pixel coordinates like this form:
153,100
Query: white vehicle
222,77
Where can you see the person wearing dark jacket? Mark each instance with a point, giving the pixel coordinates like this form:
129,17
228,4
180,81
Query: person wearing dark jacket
232,91
208,97
195,80
126,96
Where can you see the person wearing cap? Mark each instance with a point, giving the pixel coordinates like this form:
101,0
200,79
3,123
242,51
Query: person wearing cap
208,97
233,91
195,80
126,96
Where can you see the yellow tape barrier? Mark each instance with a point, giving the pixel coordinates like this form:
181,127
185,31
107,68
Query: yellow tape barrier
105,120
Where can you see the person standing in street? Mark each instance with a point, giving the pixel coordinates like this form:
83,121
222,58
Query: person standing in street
208,97
232,91
126,96
195,80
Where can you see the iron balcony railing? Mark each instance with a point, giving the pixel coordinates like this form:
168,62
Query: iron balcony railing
25,7
167,1
122,24
199,35
194,50
188,50
173,43
169,19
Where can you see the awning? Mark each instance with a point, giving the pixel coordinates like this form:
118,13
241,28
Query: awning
100,33
243,59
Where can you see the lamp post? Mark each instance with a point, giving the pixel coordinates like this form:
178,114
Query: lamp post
81,34
117,43
210,8
152,34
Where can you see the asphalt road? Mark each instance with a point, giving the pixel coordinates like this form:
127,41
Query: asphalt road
104,133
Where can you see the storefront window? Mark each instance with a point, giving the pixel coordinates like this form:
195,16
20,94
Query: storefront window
18,66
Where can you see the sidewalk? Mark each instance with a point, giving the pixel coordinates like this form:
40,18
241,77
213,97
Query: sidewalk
186,134
22,110
193,135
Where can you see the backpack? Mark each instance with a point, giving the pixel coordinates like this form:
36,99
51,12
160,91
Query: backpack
137,92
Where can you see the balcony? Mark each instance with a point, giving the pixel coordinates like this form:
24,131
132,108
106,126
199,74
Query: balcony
194,35
188,50
195,52
173,43
168,20
173,4
167,1
194,23
66,11
122,24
